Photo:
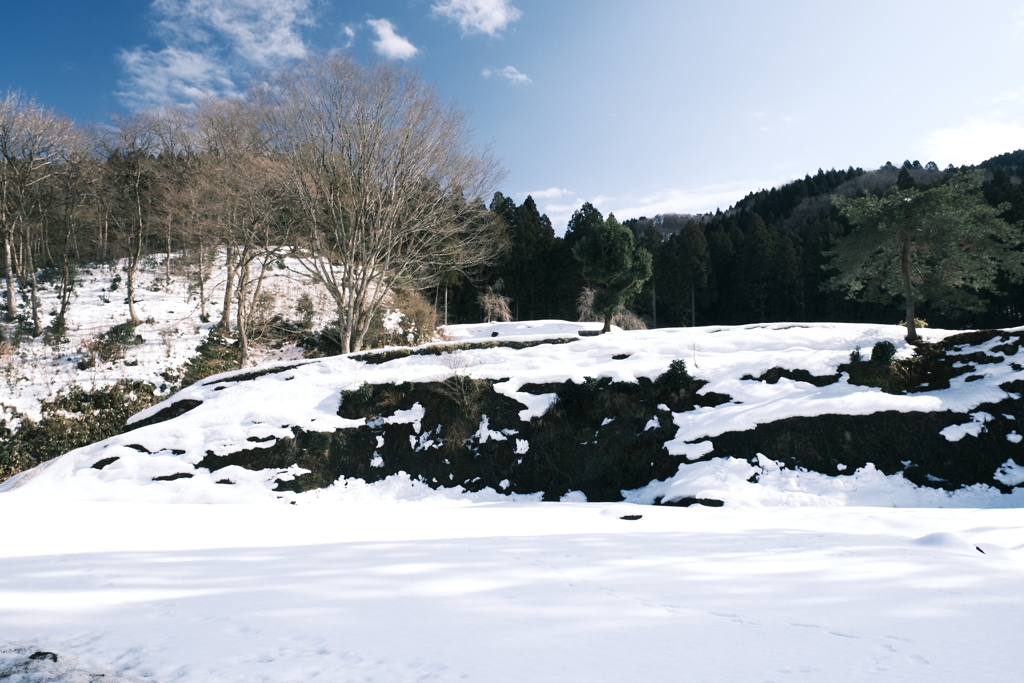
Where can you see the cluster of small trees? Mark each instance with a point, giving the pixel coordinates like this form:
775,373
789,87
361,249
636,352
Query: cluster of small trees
362,176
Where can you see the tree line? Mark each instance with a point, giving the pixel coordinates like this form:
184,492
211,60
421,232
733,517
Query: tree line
773,257
371,184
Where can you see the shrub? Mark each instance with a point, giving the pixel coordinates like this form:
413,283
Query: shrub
308,311
56,333
109,346
213,356
72,419
357,397
628,320
677,376
410,320
883,353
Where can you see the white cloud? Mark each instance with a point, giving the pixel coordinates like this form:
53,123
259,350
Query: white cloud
171,75
259,31
510,72
559,212
560,204
550,193
389,43
478,16
210,45
973,142
350,36
694,200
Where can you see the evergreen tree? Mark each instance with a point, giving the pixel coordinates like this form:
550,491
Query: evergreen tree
613,260
685,264
756,269
944,245
722,253
584,221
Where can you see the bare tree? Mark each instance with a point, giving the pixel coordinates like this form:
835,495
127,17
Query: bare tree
495,304
33,142
385,182
240,180
131,182
68,209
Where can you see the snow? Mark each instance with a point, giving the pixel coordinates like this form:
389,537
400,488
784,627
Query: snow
799,577
485,433
973,428
172,330
448,590
235,415
767,483
1010,473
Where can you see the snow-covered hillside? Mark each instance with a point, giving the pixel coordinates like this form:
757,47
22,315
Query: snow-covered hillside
172,327
252,435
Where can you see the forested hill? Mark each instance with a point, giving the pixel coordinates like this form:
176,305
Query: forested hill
759,261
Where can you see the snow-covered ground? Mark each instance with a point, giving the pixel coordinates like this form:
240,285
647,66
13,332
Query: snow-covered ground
799,577
171,331
441,590
237,411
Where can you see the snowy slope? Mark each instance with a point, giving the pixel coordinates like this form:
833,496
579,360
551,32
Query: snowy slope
31,370
247,411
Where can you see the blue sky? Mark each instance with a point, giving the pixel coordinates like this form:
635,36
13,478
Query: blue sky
640,107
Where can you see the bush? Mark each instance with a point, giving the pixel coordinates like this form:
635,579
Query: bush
212,357
308,311
410,320
883,353
72,419
109,346
882,370
354,398
56,333
677,376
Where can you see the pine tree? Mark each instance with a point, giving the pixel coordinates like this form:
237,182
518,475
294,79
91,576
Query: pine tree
613,260
944,245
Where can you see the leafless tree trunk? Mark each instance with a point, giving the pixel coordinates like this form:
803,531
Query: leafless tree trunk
132,181
229,290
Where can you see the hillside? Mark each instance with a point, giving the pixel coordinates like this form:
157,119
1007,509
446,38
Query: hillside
90,354
761,413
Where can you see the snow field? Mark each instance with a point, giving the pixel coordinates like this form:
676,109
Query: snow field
450,590
800,577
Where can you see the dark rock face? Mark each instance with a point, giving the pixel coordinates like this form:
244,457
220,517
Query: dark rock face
597,438
49,656
169,413
893,442
594,439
